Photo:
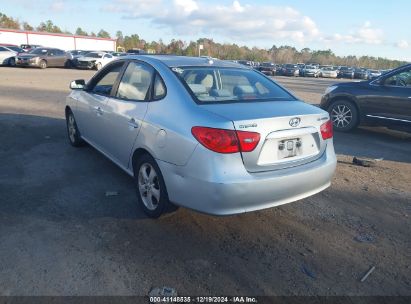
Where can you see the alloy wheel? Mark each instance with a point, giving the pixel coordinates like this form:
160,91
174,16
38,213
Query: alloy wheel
341,116
149,186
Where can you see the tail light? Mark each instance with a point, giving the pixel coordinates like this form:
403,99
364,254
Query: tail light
327,130
226,141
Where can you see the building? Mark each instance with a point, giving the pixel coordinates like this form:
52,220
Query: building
60,41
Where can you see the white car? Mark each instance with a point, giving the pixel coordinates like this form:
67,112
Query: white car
311,71
8,54
328,72
94,60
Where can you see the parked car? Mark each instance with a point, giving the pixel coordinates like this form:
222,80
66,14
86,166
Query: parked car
136,51
361,73
346,72
118,54
372,74
268,68
301,67
329,72
94,60
212,136
28,47
311,71
291,70
8,53
43,58
75,55
383,101
246,63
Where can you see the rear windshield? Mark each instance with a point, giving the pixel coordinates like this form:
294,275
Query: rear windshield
216,84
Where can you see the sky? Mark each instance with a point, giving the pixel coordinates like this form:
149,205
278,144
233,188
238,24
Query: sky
349,27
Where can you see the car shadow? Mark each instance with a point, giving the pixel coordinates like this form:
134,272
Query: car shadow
42,175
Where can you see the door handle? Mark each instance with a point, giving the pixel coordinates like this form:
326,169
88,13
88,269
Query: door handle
98,110
133,123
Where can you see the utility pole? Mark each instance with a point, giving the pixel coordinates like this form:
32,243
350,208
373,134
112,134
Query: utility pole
200,47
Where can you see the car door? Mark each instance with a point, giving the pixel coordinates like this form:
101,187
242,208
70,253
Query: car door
60,58
51,58
92,109
126,110
4,54
390,99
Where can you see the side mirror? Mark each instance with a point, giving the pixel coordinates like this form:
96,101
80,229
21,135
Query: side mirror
78,84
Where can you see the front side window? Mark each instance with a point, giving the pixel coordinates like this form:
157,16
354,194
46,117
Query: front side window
39,51
400,79
216,84
136,82
2,49
107,80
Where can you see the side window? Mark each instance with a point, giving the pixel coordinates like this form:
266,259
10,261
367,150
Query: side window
159,88
108,56
136,82
401,79
2,49
106,82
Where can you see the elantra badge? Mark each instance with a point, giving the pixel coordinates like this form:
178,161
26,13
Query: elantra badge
294,122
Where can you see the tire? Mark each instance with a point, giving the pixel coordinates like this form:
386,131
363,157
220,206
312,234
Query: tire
12,62
68,64
73,132
344,115
43,64
98,66
151,190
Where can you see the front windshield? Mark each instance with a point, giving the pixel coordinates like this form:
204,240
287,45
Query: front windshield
291,66
95,55
310,67
217,84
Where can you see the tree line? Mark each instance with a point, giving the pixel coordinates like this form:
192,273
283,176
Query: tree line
277,54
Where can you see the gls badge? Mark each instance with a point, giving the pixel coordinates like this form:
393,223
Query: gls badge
294,122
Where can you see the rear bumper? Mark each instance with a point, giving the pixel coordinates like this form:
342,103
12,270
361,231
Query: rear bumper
222,186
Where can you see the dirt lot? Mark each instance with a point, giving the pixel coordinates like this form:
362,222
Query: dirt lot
60,234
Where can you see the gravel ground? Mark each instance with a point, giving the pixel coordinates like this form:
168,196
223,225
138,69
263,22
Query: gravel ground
60,234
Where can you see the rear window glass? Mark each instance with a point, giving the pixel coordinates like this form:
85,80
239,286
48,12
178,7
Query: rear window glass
216,84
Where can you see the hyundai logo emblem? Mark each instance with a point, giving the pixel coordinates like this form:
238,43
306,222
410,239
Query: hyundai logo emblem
294,122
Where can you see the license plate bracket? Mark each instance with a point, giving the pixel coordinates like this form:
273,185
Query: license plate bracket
289,147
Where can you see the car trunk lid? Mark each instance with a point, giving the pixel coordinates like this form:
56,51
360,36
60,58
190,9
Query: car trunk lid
289,132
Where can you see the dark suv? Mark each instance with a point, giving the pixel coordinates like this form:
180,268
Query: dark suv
384,101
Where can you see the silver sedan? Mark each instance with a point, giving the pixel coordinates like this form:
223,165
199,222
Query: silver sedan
205,134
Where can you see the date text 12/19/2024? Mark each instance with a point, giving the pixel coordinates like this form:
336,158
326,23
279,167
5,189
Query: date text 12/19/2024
199,299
